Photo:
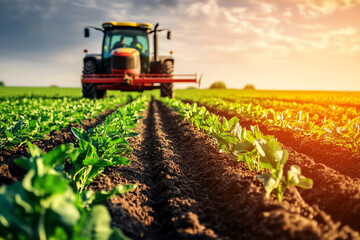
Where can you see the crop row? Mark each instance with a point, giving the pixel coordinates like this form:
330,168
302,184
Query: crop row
348,99
336,113
31,118
52,204
334,127
261,153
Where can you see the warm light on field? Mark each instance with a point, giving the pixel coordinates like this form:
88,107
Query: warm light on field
327,116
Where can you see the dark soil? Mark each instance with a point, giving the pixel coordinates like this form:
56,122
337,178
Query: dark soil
333,191
9,171
336,157
189,190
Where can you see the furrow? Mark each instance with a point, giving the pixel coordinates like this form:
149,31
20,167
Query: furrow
331,188
187,189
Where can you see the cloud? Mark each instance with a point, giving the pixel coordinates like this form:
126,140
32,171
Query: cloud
315,8
206,33
348,31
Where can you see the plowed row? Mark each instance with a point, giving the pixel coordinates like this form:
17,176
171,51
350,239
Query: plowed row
189,190
335,171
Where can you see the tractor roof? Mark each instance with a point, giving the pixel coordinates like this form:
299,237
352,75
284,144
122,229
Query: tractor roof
146,26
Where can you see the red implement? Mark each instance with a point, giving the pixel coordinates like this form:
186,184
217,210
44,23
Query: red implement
141,81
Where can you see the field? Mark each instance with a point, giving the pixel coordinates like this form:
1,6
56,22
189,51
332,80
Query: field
209,164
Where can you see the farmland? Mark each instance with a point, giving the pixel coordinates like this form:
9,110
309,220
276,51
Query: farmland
209,164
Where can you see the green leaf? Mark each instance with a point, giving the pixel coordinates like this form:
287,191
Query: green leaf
90,198
131,134
58,154
270,153
50,184
10,137
283,155
247,159
295,178
62,213
304,182
12,215
243,134
80,134
233,121
225,124
269,183
243,147
34,150
197,123
293,174
117,235
18,126
91,161
32,124
24,162
97,224
119,160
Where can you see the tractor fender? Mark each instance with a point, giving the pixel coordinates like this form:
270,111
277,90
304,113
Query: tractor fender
155,67
97,60
166,58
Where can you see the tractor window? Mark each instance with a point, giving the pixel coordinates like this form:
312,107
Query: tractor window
132,38
125,38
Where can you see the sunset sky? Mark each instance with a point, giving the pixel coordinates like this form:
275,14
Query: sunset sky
278,44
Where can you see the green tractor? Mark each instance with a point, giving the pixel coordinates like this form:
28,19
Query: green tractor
125,62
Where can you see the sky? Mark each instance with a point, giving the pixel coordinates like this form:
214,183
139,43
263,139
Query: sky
272,44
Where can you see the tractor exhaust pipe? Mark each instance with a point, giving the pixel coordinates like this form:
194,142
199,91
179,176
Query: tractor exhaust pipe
155,43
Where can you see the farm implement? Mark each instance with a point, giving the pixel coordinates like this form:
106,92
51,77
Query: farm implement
125,63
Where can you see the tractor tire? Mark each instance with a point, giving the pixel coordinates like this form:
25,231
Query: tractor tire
167,89
89,89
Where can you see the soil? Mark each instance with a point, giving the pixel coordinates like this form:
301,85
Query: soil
9,171
187,189
336,188
338,158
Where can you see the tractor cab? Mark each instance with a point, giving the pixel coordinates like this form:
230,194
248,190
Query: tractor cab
123,44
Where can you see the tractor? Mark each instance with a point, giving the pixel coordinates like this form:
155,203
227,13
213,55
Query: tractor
125,63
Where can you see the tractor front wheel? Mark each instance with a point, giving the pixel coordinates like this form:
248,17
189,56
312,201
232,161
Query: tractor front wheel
167,89
89,89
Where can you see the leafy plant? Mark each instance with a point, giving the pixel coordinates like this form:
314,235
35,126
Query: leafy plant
272,157
105,145
334,123
43,206
31,118
261,153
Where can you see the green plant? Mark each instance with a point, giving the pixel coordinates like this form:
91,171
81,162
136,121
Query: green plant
43,206
105,145
32,118
336,124
273,158
261,153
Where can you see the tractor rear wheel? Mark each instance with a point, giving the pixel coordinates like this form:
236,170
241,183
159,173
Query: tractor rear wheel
89,89
167,89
